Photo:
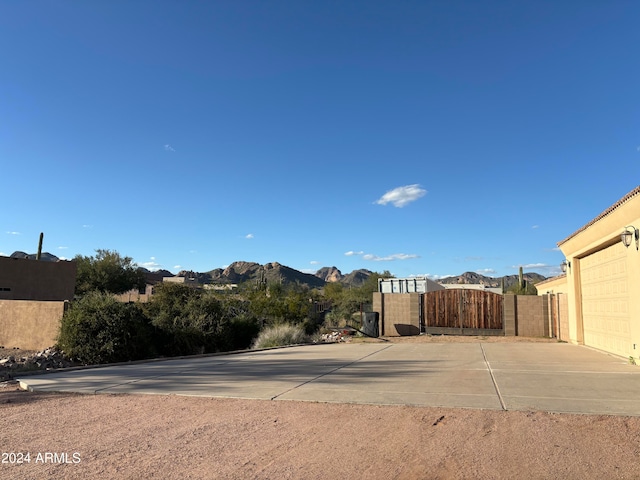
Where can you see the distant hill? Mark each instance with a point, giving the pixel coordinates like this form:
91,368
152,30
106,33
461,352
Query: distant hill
240,272
476,278
330,274
44,257
355,278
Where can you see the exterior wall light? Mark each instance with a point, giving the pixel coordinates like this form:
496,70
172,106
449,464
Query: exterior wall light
627,234
564,265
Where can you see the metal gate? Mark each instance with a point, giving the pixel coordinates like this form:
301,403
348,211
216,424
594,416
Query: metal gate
462,312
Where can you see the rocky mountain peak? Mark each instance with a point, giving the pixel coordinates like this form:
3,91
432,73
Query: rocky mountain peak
330,274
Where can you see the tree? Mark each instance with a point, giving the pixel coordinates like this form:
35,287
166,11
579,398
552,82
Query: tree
107,272
347,301
277,303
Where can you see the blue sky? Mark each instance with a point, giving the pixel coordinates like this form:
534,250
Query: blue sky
419,137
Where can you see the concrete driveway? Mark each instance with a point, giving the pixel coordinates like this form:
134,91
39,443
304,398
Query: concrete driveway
552,377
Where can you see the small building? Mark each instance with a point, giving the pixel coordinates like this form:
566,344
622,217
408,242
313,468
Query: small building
221,287
190,281
408,285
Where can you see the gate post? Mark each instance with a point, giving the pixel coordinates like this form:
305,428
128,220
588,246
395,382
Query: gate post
509,315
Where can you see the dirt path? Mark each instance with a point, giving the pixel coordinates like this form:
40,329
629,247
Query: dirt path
132,437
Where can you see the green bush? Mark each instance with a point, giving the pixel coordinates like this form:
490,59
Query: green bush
186,322
192,321
99,329
279,335
242,331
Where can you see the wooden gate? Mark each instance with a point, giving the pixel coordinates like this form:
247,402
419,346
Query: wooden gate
459,311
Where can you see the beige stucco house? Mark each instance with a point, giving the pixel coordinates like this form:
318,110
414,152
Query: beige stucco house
553,285
602,280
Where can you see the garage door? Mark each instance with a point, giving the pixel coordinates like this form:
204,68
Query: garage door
605,300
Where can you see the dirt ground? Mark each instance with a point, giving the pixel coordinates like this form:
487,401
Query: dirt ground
136,436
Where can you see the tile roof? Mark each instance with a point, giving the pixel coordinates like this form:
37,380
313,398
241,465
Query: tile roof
624,199
549,280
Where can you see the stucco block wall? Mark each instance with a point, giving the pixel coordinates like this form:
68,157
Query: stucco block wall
24,279
533,316
509,318
29,325
523,315
528,315
399,313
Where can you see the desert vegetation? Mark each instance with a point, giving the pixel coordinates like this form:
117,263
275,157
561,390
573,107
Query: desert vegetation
182,320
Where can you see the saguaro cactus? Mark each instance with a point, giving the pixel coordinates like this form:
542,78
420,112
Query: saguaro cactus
39,254
521,279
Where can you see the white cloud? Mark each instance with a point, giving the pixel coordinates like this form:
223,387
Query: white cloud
486,271
2,254
314,262
151,264
436,277
401,196
169,148
62,248
532,265
389,258
535,226
249,236
542,268
87,226
177,267
14,233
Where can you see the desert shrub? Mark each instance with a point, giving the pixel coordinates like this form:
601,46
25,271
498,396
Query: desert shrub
243,330
279,335
311,325
193,321
187,323
99,329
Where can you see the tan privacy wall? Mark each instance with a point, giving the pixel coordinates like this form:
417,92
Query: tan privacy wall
24,279
523,315
526,315
29,325
399,313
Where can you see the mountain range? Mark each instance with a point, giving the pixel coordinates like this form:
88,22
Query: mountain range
241,272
